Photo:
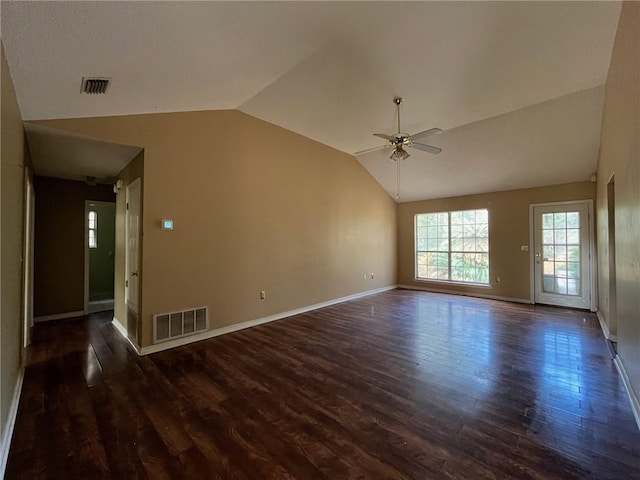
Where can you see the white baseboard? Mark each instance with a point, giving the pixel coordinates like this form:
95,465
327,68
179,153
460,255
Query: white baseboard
605,328
11,422
123,331
59,316
241,326
635,403
466,294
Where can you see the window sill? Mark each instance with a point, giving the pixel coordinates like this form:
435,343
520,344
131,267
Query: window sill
457,284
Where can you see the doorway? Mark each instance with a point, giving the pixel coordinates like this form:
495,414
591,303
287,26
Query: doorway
562,257
100,247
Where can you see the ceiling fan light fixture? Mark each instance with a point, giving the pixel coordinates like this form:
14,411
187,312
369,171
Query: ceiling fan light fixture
397,142
399,153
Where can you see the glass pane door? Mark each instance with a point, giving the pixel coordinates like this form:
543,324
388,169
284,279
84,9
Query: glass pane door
562,270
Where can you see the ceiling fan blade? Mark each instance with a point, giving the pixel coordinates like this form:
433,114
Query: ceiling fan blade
362,152
431,131
426,148
391,138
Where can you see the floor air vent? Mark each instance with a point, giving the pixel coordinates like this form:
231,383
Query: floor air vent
168,326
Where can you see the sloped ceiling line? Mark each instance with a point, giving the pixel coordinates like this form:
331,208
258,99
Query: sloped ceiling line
328,71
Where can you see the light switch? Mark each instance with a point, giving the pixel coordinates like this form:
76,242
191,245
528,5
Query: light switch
524,248
167,224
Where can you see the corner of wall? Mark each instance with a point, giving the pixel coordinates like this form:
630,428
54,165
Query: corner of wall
12,158
620,153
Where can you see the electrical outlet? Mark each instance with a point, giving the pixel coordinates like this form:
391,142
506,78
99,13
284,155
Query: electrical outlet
263,295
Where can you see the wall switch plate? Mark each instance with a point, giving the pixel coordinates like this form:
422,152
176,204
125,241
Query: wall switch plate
524,248
167,224
263,295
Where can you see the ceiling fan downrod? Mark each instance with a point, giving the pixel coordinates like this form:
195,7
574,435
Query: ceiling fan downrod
398,101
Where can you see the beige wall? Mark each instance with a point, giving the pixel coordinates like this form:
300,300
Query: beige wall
255,207
508,230
59,246
11,232
620,154
134,170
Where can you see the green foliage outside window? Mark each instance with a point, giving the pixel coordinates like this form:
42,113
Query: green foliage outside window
453,246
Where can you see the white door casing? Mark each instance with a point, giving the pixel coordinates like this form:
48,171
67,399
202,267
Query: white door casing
562,254
132,233
27,275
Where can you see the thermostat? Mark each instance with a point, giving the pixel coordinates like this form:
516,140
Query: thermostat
167,224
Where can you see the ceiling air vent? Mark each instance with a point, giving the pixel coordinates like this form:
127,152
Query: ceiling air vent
95,86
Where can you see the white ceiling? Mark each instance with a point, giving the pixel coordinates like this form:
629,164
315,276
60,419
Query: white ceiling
329,70
551,143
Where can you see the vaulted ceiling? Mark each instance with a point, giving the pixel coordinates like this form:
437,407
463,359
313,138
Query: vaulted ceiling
517,86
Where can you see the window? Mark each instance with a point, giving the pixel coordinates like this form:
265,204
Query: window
453,246
561,252
93,229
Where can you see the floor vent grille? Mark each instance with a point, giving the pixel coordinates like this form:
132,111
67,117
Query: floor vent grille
168,326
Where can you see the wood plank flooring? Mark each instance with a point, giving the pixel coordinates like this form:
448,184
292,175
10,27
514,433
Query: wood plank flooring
401,385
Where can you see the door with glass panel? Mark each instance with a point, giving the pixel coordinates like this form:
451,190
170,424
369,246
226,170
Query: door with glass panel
562,269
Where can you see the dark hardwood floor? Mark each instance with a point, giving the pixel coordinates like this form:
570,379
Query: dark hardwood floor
402,385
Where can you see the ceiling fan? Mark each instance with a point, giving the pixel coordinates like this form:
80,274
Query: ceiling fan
401,140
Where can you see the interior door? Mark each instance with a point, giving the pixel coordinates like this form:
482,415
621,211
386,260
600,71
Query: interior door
562,267
133,245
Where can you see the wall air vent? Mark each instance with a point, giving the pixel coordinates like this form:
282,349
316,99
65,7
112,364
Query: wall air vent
95,85
168,326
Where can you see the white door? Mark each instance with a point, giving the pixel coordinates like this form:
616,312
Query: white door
133,245
562,267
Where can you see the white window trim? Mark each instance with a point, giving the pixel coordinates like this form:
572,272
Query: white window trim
487,285
454,282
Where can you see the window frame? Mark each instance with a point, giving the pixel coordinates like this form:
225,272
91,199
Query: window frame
449,252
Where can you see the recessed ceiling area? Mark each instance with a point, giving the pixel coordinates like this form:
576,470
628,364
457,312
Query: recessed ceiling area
65,155
497,76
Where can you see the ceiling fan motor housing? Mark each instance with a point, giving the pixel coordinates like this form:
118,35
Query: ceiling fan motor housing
402,139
